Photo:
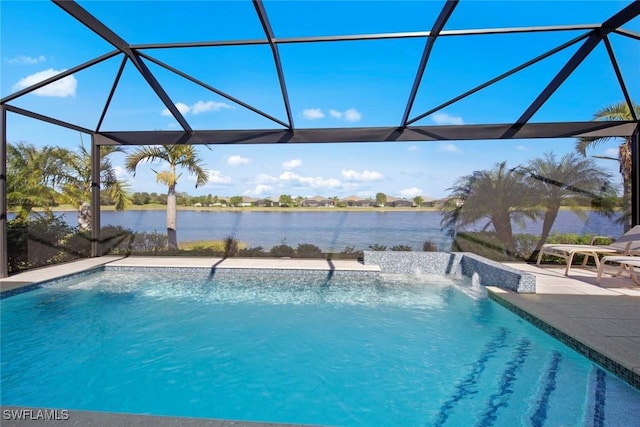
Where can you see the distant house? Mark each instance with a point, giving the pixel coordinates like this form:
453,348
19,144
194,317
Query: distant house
317,202
363,203
221,203
248,201
399,203
449,201
266,202
403,203
357,201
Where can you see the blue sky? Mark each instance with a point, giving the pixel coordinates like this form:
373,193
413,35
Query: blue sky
360,83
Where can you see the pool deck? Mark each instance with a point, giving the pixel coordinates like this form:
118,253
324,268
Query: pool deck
602,321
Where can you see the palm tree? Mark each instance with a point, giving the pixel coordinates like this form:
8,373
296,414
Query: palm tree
177,156
34,176
499,195
619,111
571,181
76,189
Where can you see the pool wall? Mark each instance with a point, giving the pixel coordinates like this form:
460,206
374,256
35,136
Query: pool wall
490,273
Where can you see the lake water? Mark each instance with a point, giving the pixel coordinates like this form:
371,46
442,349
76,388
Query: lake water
332,231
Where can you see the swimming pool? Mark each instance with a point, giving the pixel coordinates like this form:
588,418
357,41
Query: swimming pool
316,348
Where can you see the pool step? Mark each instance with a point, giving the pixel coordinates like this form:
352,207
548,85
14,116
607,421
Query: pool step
469,386
512,381
610,402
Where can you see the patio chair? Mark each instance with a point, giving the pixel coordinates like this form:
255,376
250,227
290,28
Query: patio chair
626,263
628,244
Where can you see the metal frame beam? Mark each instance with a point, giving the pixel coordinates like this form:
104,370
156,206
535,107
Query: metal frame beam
59,76
91,22
4,255
635,177
369,134
616,69
438,26
498,78
111,92
47,119
371,36
212,89
611,24
264,20
95,198
555,83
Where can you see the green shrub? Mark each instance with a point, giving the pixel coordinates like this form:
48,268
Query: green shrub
429,246
36,241
402,248
282,250
306,250
252,252
377,247
349,252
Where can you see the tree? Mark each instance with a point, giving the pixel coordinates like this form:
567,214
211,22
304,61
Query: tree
619,111
235,201
381,199
76,189
418,200
176,156
568,181
34,176
285,200
499,195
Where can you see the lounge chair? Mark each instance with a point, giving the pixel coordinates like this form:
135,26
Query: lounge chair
629,243
626,263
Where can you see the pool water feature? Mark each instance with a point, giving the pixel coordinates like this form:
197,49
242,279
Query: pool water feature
318,348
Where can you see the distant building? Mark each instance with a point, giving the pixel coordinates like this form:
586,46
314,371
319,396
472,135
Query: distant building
317,202
395,202
358,201
248,201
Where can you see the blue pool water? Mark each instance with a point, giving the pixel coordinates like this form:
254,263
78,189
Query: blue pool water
310,349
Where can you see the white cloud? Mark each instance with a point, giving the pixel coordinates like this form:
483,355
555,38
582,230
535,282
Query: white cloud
197,108
204,106
449,148
446,119
259,190
216,177
413,148
24,59
264,179
521,148
308,181
352,115
352,175
61,88
238,160
611,152
312,113
291,164
410,193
